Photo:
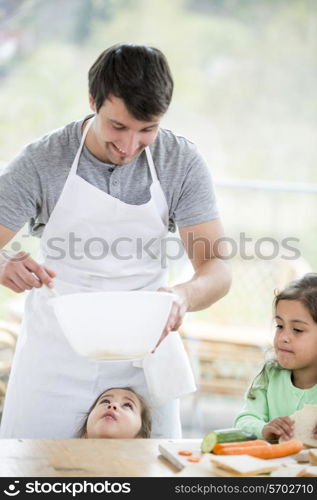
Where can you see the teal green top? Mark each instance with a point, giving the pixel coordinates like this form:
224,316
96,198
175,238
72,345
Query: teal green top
275,397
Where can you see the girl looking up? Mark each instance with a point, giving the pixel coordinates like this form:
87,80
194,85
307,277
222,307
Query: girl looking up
117,413
288,381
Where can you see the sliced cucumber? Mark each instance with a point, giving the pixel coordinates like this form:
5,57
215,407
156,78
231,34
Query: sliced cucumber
209,441
224,436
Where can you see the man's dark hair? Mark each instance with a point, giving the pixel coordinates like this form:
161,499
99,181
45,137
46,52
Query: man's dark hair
138,74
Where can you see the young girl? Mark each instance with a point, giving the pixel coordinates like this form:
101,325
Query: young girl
117,413
289,381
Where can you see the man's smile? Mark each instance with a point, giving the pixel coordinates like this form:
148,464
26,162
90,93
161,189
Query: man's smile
118,150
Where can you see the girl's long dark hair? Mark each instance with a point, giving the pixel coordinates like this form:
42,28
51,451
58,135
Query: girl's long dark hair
305,291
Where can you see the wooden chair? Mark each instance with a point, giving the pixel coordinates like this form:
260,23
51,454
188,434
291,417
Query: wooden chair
223,366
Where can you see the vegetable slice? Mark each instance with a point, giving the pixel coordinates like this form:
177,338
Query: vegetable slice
220,447
265,450
231,435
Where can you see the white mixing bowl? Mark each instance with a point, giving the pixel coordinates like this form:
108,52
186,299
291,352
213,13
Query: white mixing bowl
113,325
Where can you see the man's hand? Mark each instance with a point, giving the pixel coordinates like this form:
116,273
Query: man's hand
177,313
278,427
315,432
21,273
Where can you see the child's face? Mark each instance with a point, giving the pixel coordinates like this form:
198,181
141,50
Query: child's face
117,414
295,340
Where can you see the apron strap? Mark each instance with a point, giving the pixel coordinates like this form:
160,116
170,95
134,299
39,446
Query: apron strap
73,169
151,164
76,159
156,190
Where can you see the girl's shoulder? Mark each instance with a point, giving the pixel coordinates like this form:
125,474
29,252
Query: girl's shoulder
269,372
273,372
272,368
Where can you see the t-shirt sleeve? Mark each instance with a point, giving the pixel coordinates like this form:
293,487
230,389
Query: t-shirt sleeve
20,191
197,200
254,415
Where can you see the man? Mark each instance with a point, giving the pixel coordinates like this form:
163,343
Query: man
117,181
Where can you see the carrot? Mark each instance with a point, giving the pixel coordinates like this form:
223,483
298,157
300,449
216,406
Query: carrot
219,447
185,453
266,450
193,459
254,451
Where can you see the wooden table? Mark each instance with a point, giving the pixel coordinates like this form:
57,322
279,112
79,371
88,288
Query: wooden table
83,458
100,458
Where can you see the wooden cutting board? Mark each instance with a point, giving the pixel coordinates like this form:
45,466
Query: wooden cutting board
170,450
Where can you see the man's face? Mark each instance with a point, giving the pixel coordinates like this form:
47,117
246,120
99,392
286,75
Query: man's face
115,136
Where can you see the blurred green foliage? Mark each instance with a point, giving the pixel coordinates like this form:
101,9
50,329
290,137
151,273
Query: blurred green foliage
245,90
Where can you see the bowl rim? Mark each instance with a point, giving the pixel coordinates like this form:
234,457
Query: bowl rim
114,293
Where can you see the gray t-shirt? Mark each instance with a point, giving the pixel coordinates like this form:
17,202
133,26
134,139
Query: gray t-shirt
31,183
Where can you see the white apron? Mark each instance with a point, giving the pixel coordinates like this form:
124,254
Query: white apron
51,387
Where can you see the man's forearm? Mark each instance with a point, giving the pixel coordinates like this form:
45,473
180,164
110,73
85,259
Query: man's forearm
210,283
